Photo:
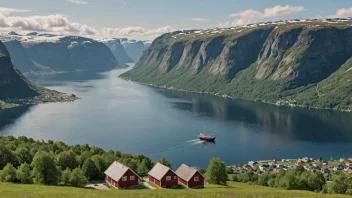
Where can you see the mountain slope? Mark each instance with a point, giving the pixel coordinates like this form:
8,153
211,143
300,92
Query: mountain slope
265,62
118,50
135,48
12,83
40,53
19,56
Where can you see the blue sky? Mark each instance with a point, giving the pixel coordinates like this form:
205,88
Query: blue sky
145,19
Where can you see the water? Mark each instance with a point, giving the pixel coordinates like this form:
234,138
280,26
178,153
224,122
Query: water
121,115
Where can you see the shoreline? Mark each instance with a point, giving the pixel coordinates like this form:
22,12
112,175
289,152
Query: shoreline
227,96
49,96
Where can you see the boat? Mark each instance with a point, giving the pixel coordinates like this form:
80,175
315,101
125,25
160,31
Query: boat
206,137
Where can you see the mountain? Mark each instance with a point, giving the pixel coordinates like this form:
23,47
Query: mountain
19,56
135,48
294,62
13,33
118,50
49,52
12,83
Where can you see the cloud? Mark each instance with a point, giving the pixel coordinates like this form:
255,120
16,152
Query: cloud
7,11
200,19
344,12
250,16
78,2
224,25
135,31
50,23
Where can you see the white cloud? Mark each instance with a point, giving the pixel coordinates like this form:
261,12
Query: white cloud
7,11
135,31
250,16
344,12
224,25
50,23
200,19
78,2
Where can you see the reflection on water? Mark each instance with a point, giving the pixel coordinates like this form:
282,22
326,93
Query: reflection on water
9,116
122,115
296,123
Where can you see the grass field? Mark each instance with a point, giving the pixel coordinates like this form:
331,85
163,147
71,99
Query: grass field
233,190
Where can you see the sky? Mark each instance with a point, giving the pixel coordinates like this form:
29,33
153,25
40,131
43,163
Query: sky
147,19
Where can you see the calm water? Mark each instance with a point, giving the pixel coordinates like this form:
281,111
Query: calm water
121,115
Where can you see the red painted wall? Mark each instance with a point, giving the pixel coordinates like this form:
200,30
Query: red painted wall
128,183
172,182
182,181
199,183
154,181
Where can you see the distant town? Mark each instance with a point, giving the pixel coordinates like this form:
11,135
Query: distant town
49,96
309,164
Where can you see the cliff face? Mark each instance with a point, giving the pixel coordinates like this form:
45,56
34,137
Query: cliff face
260,62
12,83
118,51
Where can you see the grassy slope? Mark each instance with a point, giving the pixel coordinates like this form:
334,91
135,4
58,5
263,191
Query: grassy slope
234,190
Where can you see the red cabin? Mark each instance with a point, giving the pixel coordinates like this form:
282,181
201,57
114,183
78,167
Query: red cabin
162,176
120,176
190,177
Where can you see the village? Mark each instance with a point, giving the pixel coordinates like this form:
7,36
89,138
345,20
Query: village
309,164
47,97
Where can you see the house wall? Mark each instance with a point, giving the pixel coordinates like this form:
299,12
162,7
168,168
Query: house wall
199,183
153,180
128,182
111,181
172,182
182,181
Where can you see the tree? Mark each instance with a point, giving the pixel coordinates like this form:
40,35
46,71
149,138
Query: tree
90,170
23,174
263,180
201,170
65,177
8,174
99,165
23,155
84,156
229,170
44,169
77,178
6,156
144,167
164,162
67,159
216,172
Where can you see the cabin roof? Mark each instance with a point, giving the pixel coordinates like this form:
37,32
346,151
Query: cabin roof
158,171
117,170
186,172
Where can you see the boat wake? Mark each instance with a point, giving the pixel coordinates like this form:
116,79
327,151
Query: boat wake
175,148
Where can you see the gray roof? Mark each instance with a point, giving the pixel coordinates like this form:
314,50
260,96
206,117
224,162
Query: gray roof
158,171
186,172
117,170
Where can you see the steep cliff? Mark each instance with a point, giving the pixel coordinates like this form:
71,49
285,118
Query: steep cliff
118,50
284,61
134,48
12,83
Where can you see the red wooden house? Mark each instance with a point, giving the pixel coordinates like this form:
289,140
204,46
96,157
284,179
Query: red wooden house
120,176
190,177
162,176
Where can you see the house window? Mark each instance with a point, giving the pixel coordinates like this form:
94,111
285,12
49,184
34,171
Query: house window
131,178
124,178
168,178
196,179
175,177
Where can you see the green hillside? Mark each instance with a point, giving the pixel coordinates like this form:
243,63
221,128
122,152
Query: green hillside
285,61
